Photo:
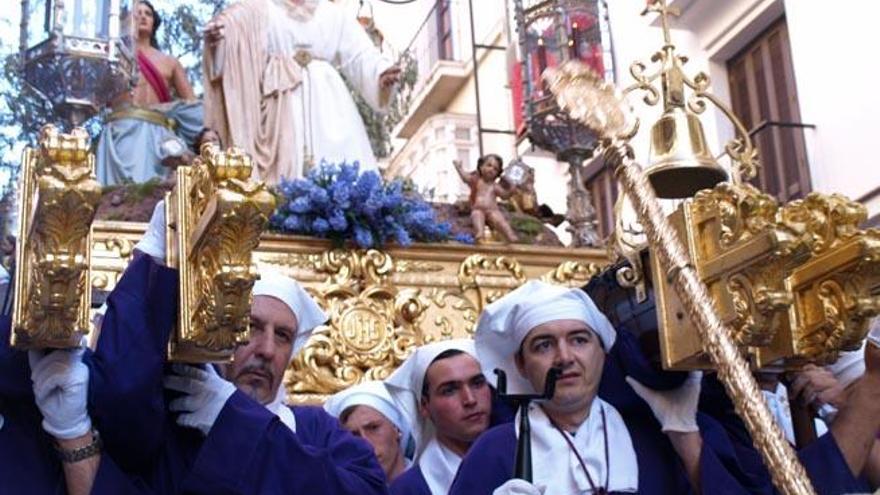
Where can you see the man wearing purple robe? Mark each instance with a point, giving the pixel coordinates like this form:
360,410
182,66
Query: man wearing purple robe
442,391
640,441
48,444
224,434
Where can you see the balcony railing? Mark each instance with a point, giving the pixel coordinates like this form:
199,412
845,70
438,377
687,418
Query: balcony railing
782,149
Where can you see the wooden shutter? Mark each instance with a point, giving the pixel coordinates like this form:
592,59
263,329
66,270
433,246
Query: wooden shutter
602,185
763,95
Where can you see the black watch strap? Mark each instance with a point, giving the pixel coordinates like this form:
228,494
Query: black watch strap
81,453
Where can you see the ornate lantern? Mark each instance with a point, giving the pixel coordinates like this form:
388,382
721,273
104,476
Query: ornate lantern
550,33
77,54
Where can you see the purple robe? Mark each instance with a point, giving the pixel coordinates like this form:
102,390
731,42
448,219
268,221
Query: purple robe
248,449
729,462
411,482
28,462
822,459
489,462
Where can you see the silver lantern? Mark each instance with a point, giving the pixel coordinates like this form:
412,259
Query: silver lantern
77,54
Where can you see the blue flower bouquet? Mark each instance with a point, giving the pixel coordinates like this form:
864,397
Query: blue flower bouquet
340,203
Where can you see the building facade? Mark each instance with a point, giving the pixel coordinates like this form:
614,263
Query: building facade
793,71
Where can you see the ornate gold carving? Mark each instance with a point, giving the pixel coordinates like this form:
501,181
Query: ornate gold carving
757,309
572,273
478,265
215,215
744,212
59,198
823,221
835,294
384,303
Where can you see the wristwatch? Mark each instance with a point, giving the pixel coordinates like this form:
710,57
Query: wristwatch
81,453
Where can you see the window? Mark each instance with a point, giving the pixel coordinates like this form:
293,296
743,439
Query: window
764,96
444,29
600,181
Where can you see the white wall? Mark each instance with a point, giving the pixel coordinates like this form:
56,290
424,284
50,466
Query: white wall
830,45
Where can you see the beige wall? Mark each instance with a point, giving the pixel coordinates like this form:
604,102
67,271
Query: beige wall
832,49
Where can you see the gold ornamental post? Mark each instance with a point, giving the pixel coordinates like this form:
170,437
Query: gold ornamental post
733,370
215,216
59,198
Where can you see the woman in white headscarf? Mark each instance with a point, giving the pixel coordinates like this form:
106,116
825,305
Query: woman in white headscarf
368,411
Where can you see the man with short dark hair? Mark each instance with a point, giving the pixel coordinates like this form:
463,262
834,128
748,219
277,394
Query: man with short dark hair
443,391
581,443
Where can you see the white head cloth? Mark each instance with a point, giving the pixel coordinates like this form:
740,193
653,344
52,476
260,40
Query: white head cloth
373,394
153,241
287,290
504,324
405,385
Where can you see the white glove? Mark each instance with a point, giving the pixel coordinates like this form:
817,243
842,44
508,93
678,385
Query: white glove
676,410
205,395
61,384
517,486
153,241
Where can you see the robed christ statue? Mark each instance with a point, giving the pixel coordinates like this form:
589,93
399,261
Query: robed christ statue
273,85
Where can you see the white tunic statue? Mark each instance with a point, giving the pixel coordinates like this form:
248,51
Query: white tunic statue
273,84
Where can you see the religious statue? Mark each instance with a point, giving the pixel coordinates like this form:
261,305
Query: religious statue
274,86
141,129
486,188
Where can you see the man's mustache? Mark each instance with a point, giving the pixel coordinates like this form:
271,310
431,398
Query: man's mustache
258,366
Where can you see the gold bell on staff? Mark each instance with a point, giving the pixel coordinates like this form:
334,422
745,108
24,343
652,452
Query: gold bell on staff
681,163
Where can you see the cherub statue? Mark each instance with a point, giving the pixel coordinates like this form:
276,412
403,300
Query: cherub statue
485,191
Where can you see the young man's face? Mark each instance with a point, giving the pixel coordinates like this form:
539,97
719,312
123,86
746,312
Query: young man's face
258,366
458,400
573,347
144,21
374,427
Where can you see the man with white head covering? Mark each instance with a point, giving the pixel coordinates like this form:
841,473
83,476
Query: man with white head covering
446,398
581,443
368,411
231,433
